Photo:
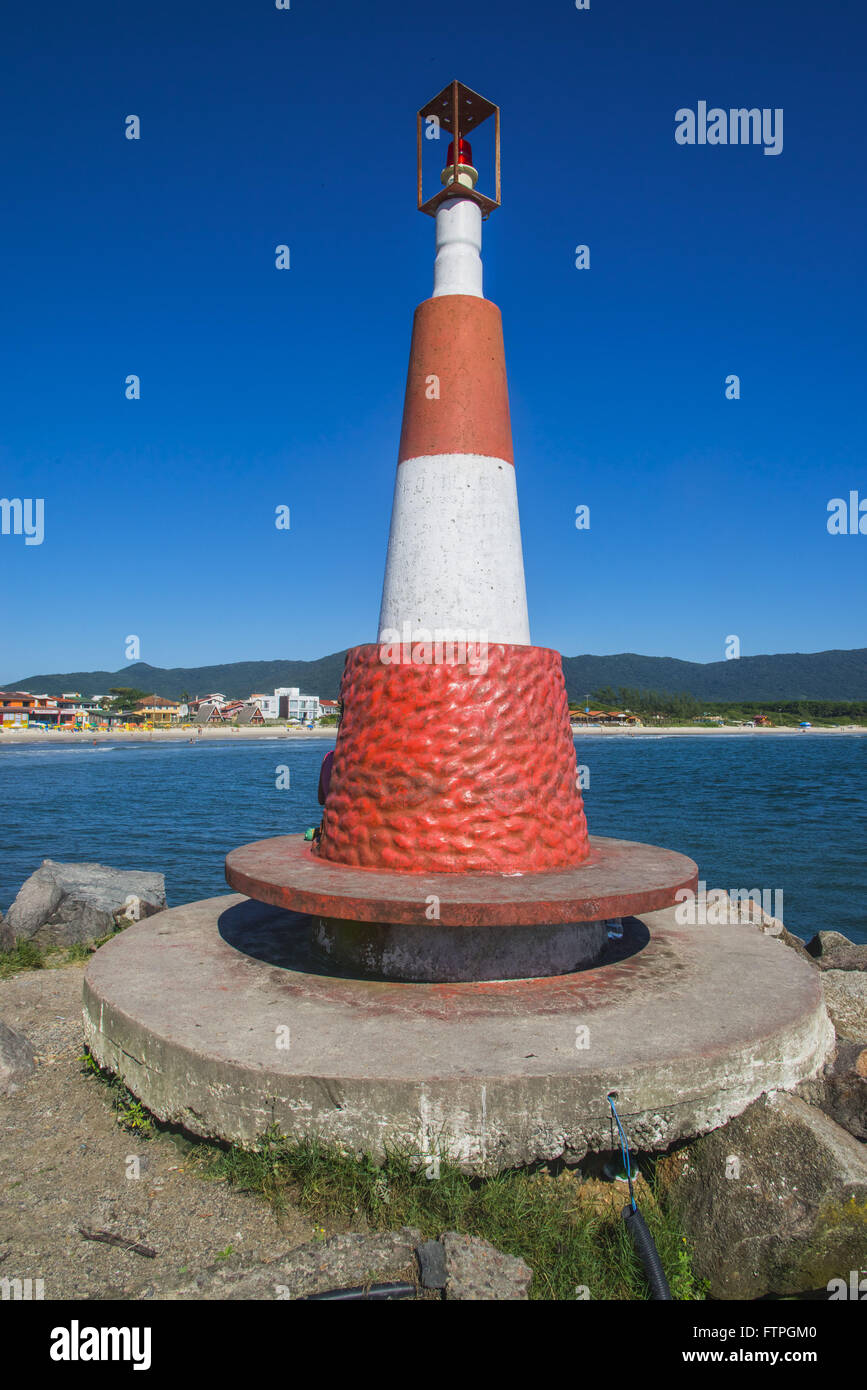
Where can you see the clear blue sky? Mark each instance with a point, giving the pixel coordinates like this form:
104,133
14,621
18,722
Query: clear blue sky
262,387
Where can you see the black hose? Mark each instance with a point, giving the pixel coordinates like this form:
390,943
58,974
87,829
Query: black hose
647,1253
381,1291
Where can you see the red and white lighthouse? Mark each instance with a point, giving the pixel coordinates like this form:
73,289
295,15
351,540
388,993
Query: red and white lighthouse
453,842
456,750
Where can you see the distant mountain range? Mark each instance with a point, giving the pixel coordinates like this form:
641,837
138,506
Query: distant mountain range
832,675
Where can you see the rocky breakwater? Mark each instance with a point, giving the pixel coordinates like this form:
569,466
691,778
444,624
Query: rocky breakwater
775,1201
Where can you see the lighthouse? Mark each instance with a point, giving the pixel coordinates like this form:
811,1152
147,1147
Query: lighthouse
454,844
455,753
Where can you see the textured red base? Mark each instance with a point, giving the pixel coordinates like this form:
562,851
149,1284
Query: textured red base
447,767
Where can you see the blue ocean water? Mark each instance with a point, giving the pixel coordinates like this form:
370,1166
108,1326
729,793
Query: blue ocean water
776,813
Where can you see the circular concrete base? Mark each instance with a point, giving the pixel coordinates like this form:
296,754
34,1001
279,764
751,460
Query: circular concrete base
216,1016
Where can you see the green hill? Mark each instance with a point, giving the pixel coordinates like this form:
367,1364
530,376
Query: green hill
831,675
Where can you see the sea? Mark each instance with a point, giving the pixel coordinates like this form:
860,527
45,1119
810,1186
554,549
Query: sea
785,815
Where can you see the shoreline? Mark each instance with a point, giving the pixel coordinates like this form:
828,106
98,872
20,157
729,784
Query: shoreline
678,730
229,735
91,736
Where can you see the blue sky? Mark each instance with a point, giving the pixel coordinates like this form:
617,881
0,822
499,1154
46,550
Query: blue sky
263,387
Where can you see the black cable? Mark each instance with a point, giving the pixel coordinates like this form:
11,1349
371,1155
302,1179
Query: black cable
375,1291
637,1226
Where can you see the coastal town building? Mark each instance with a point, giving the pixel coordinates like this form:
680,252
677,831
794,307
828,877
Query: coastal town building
293,705
208,712
159,711
249,714
15,708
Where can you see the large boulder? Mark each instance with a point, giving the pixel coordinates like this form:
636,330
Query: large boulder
7,940
17,1061
846,1001
841,1088
62,904
831,950
774,1202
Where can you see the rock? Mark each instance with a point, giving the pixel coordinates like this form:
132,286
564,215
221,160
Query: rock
432,1264
17,1061
342,1262
831,950
7,940
61,904
477,1270
747,911
774,1202
846,1001
794,943
841,1089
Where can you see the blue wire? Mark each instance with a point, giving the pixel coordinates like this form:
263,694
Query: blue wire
624,1148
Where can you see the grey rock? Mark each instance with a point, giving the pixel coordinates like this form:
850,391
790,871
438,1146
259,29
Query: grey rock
775,1201
750,912
38,898
794,943
477,1270
432,1264
342,1262
17,1061
61,904
841,1088
831,950
7,940
846,1001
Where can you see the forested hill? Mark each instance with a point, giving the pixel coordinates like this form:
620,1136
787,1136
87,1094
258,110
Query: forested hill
831,675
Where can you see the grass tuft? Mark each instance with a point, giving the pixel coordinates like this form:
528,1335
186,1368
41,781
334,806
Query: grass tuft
575,1248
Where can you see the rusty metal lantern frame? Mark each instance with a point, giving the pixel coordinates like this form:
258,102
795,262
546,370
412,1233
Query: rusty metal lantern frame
460,111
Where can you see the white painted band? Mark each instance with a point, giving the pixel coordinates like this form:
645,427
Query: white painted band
454,558
458,264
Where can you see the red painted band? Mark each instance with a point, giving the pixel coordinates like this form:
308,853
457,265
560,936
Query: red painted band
457,394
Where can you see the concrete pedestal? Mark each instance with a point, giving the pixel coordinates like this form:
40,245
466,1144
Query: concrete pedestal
218,1016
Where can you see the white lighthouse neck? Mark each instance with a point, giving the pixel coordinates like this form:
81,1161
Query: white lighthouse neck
458,264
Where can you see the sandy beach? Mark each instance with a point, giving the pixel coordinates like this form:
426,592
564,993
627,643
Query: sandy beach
212,735
228,734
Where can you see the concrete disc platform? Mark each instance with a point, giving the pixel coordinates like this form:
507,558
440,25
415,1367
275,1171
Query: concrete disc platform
217,1016
621,878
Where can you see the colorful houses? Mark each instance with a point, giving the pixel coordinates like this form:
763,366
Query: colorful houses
21,709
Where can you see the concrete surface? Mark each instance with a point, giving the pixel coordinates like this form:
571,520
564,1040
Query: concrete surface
213,1014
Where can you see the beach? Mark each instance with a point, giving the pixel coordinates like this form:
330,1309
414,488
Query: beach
228,733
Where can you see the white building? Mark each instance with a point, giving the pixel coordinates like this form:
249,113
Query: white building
287,702
268,704
293,705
